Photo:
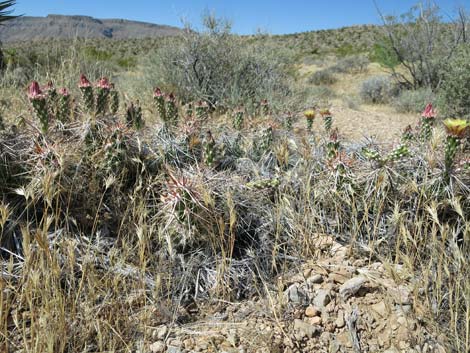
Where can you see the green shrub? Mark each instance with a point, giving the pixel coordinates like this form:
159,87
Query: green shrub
216,67
413,101
322,77
384,55
351,64
454,94
377,89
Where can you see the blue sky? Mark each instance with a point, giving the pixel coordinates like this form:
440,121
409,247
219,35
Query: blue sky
248,16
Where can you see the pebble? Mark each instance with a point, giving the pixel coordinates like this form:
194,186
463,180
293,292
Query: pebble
322,298
316,320
311,311
296,295
157,347
315,279
305,329
351,287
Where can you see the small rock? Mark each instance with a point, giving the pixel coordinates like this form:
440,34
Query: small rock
344,339
295,295
339,322
316,320
311,311
305,329
161,332
173,349
380,308
339,277
334,347
351,287
157,347
315,279
322,298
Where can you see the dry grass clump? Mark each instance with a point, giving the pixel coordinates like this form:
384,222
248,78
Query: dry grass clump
110,228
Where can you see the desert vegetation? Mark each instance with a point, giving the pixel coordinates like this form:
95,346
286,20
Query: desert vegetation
148,186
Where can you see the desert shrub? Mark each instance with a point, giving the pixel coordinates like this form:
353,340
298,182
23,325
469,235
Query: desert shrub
351,64
322,92
322,77
214,66
377,89
422,42
413,101
454,94
384,55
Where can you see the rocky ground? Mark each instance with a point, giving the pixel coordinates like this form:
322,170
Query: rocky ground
338,304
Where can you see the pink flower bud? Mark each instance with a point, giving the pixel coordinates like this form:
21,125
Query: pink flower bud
84,82
49,86
157,92
171,97
104,83
429,112
34,91
64,92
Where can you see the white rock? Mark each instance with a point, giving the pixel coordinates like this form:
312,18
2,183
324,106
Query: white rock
157,347
351,287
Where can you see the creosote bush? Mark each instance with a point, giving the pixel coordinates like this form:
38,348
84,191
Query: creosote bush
212,65
454,93
413,101
323,77
377,89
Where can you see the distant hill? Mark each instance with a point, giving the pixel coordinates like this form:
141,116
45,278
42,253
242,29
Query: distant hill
64,27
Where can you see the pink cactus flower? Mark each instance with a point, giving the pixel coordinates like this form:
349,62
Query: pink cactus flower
34,91
157,92
49,86
84,82
104,83
171,97
64,92
429,112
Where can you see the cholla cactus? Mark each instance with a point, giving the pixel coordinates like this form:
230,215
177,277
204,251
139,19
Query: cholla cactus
171,109
113,99
134,116
289,121
427,121
333,145
115,148
456,130
209,149
38,101
238,118
372,154
102,95
309,116
189,109
181,198
63,112
398,153
202,109
264,183
267,138
407,134
264,106
159,99
87,93
50,91
327,119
